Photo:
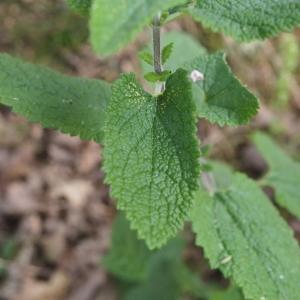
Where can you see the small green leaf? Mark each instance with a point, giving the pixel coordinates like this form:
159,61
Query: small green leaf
185,49
72,105
248,20
166,52
129,257
146,57
151,155
243,235
283,175
81,6
220,97
155,77
114,24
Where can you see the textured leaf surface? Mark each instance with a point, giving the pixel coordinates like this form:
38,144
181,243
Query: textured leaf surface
244,236
129,257
248,20
72,105
115,23
151,155
220,97
284,173
81,6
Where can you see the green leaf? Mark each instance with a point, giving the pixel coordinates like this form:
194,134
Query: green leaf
146,57
114,24
248,20
155,77
151,155
81,6
220,97
283,175
129,257
166,52
243,235
72,105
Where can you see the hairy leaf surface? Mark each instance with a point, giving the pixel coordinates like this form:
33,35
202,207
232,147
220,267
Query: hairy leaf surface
115,23
283,175
81,6
151,155
71,105
244,236
248,20
220,97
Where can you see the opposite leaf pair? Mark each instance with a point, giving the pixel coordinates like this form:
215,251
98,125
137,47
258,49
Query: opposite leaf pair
116,23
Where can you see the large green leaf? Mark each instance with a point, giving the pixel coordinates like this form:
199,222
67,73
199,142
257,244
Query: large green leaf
283,175
220,97
243,235
249,19
151,155
72,105
115,23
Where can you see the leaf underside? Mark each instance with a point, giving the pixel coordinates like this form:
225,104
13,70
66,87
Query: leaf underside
72,105
248,20
115,23
244,236
283,175
151,155
220,97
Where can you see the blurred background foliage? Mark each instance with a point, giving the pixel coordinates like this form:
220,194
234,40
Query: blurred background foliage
55,212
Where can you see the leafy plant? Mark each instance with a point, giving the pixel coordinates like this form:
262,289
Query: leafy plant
151,151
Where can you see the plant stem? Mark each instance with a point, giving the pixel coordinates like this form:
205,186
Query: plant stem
158,68
156,44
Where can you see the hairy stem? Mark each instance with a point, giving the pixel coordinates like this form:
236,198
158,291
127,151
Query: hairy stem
158,68
156,44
